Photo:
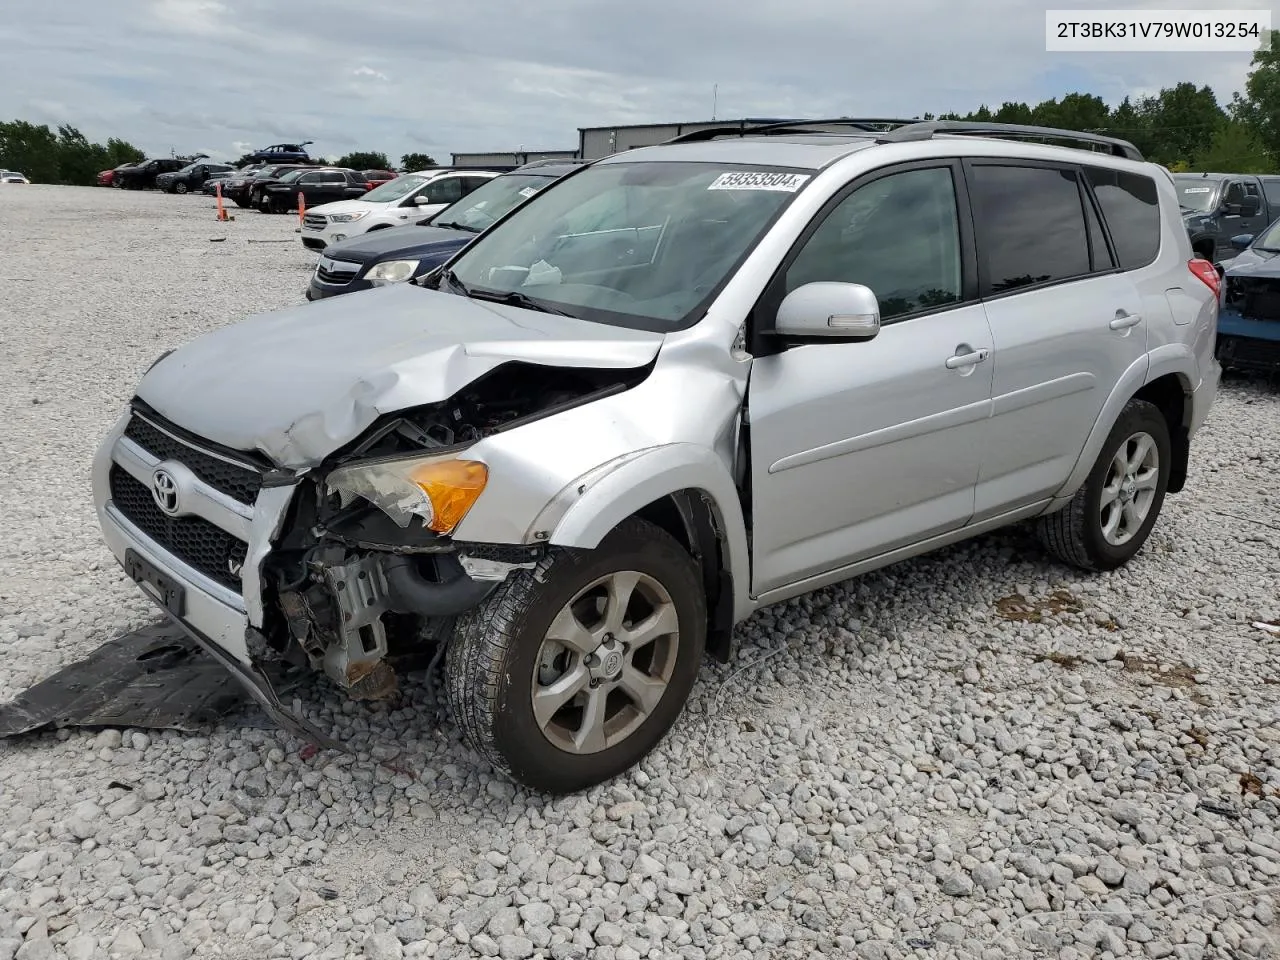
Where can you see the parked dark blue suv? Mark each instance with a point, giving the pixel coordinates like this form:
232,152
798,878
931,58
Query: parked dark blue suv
406,253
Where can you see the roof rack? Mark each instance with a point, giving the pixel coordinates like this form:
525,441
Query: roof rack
858,124
925,130
892,130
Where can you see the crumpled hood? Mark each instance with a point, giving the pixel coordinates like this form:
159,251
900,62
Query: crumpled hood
299,383
404,242
1253,263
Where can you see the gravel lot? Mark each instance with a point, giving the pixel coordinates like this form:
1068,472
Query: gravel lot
978,754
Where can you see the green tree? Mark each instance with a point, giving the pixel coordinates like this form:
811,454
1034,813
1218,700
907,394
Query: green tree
1182,121
1259,106
32,150
121,151
417,161
79,160
364,160
1235,148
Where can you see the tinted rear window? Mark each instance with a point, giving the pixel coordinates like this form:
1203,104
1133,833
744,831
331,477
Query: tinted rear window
1271,188
1030,226
1131,207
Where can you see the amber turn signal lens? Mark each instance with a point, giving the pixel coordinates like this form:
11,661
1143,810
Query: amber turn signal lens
452,486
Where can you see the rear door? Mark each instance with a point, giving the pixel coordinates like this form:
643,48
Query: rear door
1066,323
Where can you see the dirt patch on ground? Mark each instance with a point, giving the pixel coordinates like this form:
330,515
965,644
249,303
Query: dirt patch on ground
1017,607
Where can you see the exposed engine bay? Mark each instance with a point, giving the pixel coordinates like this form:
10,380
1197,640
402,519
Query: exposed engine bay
353,592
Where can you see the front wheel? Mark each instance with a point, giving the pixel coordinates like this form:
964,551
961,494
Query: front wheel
179,187
1110,517
571,672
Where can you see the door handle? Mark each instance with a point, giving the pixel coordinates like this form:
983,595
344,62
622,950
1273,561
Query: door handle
1123,320
967,359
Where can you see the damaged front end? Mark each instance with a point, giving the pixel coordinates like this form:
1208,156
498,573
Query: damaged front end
1249,319
365,577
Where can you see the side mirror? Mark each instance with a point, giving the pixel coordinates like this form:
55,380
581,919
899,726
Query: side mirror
1251,207
847,310
422,200
1242,241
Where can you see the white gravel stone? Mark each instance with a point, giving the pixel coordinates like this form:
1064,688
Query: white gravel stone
1088,759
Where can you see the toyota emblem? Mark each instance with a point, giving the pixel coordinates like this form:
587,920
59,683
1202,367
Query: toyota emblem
164,490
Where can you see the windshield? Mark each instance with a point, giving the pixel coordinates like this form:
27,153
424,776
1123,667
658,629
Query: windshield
189,168
641,245
486,205
1269,239
291,176
1199,195
397,189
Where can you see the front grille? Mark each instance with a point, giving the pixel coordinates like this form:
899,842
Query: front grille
316,221
1255,297
193,540
338,273
239,483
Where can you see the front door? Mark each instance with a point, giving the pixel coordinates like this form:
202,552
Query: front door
860,448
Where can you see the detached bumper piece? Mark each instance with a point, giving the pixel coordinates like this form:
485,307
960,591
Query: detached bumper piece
154,678
159,677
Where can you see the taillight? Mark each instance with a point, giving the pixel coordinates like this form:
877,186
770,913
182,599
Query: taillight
1207,273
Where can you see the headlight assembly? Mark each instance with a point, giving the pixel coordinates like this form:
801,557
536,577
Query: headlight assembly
347,217
439,491
392,271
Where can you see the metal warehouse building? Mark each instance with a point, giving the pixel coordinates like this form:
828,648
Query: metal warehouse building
510,159
596,142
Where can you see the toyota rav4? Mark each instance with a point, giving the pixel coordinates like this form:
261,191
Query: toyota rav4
679,384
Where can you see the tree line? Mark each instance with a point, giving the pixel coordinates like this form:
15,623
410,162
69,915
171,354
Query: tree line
1183,127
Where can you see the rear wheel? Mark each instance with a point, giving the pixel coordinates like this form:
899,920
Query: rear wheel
1110,517
571,672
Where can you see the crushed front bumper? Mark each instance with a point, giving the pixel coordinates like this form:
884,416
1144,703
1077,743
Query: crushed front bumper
224,622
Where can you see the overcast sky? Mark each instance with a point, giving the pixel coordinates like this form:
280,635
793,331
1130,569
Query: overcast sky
221,76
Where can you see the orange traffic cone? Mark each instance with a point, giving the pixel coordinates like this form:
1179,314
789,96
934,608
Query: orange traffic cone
302,208
222,214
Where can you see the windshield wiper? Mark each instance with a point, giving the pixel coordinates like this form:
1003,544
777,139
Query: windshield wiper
457,226
514,298
451,279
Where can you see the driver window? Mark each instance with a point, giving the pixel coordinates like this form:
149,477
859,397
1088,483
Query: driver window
1235,193
444,191
898,235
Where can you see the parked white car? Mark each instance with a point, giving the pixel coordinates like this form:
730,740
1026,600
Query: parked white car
12,176
404,200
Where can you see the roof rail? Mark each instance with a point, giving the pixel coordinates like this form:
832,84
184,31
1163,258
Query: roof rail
858,124
925,130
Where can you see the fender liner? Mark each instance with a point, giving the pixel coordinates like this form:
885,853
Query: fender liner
595,503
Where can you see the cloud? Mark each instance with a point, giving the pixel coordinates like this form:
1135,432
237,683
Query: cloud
399,77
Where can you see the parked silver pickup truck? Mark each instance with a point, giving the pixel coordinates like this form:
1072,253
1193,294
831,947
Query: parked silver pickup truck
679,384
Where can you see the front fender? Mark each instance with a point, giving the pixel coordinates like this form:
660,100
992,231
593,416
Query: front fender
596,502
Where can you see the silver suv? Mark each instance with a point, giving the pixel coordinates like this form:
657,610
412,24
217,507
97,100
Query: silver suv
682,383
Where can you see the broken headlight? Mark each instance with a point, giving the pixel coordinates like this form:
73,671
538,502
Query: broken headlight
392,271
438,491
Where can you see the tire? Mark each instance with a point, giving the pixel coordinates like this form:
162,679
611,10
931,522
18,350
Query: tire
1077,534
500,650
179,187
242,204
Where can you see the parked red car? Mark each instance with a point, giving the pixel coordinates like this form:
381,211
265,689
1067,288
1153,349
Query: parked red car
377,178
107,177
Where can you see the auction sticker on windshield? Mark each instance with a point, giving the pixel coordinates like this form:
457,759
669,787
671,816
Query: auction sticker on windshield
1196,190
748,180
